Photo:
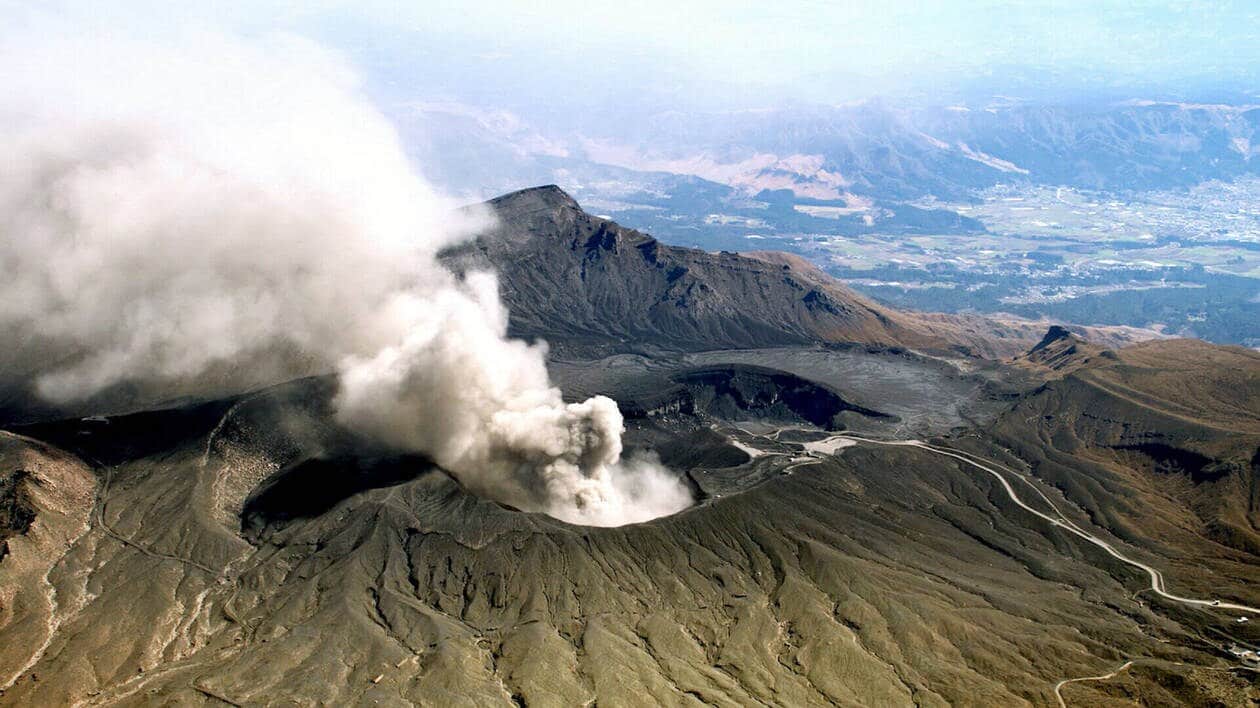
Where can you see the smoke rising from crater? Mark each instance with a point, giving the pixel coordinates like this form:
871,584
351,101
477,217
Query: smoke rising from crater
487,408
205,206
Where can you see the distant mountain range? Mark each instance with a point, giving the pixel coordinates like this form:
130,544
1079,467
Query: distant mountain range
870,149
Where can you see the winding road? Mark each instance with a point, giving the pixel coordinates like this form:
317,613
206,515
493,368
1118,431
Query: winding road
1058,687
1157,586
821,449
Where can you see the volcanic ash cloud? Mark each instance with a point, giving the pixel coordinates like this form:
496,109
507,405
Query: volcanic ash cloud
203,205
482,405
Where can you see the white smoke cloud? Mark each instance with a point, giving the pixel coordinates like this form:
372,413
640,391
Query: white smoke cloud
491,414
167,208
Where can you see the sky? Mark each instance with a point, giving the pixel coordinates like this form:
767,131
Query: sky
798,42
575,52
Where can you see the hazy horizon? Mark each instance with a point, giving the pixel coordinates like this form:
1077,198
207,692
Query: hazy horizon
540,59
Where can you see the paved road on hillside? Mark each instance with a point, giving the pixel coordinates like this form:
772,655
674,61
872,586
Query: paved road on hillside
1156,577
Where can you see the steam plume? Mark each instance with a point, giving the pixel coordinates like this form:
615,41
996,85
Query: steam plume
166,209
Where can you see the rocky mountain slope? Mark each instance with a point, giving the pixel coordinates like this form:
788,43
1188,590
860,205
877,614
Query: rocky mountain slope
570,276
249,550
1062,352
579,280
589,286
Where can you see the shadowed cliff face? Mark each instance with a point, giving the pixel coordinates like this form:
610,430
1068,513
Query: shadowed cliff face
17,510
740,391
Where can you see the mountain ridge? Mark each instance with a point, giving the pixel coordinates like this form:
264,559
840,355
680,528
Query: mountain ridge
623,284
620,285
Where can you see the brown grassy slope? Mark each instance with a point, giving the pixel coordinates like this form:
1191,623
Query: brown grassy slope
1216,386
1061,352
1161,445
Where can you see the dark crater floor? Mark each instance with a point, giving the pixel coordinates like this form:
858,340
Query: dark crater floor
311,487
736,391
